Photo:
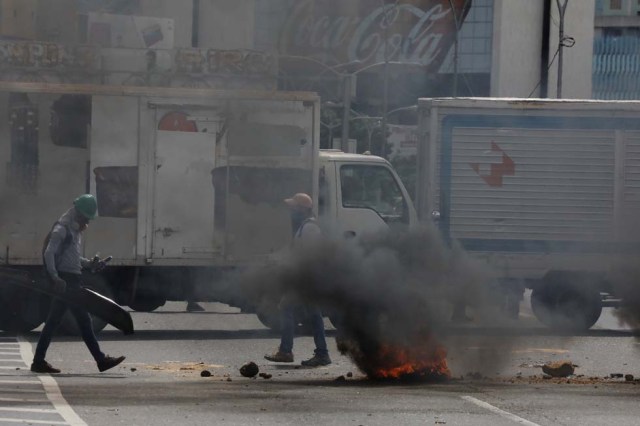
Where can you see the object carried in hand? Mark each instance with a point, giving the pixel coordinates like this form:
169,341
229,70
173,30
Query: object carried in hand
98,264
92,302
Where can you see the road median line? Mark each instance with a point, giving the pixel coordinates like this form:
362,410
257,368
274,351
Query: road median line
498,411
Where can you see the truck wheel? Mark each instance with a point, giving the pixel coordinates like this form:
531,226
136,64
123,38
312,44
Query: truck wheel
562,303
22,310
94,282
270,318
142,303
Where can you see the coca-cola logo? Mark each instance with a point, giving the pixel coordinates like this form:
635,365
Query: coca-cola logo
365,32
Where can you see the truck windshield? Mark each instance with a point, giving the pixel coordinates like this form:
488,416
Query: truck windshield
373,187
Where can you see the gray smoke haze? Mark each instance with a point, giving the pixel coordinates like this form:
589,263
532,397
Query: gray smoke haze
388,290
625,281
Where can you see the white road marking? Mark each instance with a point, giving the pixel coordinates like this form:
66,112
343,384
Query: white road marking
498,411
12,360
29,410
20,382
30,422
6,367
22,390
16,353
23,400
52,390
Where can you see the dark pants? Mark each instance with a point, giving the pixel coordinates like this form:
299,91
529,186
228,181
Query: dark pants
56,312
287,322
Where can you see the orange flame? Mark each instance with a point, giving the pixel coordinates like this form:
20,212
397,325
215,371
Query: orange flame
427,360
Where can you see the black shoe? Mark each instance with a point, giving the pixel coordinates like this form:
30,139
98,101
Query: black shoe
317,361
43,367
109,362
194,307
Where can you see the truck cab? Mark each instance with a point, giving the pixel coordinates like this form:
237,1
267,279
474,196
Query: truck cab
360,193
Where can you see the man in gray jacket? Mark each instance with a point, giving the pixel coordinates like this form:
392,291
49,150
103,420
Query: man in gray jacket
305,230
64,264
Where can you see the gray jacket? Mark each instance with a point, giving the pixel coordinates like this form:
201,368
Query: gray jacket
61,255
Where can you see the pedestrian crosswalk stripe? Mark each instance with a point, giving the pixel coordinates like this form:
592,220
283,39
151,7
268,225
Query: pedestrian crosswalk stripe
31,422
20,382
40,401
29,410
52,390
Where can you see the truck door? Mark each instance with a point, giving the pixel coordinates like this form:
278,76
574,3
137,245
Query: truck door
183,203
370,199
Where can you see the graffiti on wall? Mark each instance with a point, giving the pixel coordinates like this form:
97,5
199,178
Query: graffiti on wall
188,67
237,62
366,32
48,55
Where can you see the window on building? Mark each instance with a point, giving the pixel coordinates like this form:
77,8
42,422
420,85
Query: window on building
70,120
615,5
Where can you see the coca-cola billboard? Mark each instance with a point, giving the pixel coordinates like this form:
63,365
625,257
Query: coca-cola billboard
365,32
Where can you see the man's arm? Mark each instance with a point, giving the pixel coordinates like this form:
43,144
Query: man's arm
58,234
310,232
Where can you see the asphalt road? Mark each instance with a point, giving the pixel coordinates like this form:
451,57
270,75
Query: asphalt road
160,381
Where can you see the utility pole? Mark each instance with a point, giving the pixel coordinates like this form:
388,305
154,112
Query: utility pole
385,84
561,11
347,84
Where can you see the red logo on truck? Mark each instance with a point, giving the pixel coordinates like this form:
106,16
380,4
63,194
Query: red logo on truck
506,168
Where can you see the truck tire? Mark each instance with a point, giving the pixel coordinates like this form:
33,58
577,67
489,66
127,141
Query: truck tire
270,318
22,310
99,284
562,302
143,303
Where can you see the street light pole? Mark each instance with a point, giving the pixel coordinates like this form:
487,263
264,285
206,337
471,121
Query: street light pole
346,110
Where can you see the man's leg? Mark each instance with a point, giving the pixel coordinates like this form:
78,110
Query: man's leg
319,337
287,325
85,325
56,312
321,354
86,331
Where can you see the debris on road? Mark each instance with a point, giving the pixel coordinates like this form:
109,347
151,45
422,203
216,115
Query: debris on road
349,374
249,369
340,379
559,369
205,373
616,375
265,375
133,369
475,376
628,377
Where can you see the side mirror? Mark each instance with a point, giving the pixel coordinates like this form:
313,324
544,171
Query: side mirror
435,216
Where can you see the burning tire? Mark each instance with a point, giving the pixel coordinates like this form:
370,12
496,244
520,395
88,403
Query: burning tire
565,303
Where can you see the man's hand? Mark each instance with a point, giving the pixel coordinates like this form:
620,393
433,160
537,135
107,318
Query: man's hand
98,264
59,285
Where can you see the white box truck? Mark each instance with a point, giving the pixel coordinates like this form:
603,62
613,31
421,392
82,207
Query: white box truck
546,191
190,183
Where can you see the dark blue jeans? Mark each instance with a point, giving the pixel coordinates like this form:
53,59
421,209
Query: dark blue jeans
56,312
287,323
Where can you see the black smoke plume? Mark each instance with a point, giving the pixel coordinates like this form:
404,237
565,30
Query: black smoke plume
386,290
